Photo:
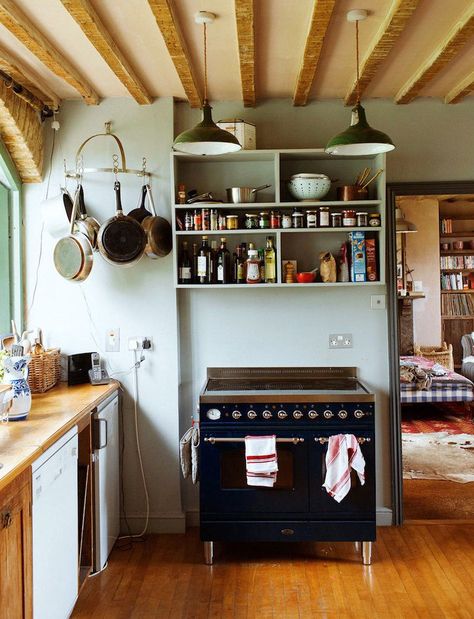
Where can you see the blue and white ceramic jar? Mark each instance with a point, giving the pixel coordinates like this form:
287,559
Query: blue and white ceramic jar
16,375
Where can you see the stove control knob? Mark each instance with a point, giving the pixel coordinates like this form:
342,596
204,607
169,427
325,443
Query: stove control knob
358,414
282,414
342,414
328,414
267,414
297,414
251,414
213,414
312,414
236,414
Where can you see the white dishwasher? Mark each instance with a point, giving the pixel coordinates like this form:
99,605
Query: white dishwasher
55,529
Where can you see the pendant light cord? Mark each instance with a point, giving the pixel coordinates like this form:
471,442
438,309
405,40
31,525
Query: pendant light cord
357,61
205,62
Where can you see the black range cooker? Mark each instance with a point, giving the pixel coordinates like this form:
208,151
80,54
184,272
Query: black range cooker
303,407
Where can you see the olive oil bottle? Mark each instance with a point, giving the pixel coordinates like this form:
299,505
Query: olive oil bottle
270,262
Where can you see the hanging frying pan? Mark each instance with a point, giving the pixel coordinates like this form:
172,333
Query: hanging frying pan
158,232
121,239
73,254
89,226
141,212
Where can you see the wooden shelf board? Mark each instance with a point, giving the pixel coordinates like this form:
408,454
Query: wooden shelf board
462,234
270,231
458,252
469,317
457,270
296,285
457,291
260,205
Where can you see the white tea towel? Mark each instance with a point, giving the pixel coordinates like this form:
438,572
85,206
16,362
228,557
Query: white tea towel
185,452
195,440
343,454
261,460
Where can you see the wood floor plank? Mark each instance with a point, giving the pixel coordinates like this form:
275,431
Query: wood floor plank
419,571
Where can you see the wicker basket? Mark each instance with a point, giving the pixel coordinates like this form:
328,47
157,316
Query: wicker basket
439,354
44,371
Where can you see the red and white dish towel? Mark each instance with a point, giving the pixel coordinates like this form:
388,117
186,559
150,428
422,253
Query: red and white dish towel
343,454
261,460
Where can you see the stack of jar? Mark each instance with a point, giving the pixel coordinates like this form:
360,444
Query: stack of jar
209,264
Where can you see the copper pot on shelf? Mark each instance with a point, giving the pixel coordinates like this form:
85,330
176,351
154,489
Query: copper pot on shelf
347,193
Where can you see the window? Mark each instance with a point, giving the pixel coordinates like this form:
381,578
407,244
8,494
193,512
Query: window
10,244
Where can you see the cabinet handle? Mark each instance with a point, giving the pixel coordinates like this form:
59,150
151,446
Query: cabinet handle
288,532
7,520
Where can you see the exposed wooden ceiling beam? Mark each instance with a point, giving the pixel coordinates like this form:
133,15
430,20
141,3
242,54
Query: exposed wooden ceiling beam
25,31
322,12
244,15
27,78
177,49
461,90
393,25
443,54
85,15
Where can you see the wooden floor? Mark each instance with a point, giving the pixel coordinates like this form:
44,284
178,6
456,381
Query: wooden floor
418,571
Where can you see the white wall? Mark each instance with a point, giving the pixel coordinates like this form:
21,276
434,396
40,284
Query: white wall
140,300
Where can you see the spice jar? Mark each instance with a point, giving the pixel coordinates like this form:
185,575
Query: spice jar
188,221
214,219
349,218
362,219
197,220
206,219
263,220
336,220
311,219
297,218
275,219
324,217
374,219
286,220
221,222
251,221
232,222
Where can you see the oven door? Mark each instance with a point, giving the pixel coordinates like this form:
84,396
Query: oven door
223,480
359,502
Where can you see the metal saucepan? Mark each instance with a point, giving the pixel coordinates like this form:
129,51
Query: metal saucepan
57,213
121,239
73,254
89,226
158,232
243,195
140,212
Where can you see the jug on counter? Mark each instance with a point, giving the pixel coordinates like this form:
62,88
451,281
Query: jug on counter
16,375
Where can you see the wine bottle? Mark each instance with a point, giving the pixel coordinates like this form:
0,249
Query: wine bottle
184,265
223,264
194,276
203,263
270,262
213,262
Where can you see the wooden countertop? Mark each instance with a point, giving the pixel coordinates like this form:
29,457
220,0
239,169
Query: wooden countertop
52,414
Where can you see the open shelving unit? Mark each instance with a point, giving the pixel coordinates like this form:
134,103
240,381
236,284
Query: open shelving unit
248,168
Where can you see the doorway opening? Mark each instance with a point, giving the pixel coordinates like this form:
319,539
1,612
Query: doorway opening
431,266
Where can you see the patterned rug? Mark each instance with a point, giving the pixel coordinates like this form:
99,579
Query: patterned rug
430,418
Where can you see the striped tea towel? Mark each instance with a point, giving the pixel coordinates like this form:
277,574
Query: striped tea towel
261,460
343,454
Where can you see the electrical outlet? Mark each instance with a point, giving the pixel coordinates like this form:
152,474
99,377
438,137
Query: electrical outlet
112,340
140,342
340,340
377,301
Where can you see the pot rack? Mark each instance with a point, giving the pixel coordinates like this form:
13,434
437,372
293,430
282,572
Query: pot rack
79,170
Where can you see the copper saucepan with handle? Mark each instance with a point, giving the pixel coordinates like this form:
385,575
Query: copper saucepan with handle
158,232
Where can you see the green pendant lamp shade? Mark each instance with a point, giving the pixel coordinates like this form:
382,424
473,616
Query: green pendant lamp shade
359,138
206,138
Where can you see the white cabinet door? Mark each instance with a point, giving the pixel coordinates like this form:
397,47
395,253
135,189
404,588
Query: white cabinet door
55,530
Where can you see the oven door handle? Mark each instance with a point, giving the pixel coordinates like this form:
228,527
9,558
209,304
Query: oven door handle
325,439
212,439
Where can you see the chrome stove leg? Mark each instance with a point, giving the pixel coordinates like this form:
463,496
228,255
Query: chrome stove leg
367,553
208,553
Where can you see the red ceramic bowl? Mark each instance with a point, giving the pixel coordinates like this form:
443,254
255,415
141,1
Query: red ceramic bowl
305,277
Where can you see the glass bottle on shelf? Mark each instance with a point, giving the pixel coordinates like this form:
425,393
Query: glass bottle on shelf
223,264
213,262
253,266
194,276
204,263
184,265
241,270
270,262
261,257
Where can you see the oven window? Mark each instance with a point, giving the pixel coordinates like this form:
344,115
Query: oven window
233,475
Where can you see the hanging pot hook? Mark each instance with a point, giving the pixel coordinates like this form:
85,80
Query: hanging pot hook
116,166
144,172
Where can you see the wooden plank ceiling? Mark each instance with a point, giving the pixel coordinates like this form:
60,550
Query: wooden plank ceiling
257,50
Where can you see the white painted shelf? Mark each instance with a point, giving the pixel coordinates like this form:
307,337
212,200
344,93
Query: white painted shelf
259,205
273,231
278,285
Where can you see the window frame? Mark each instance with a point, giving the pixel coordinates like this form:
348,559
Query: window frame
15,237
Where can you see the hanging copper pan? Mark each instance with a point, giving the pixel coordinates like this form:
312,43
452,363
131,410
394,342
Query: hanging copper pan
158,232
